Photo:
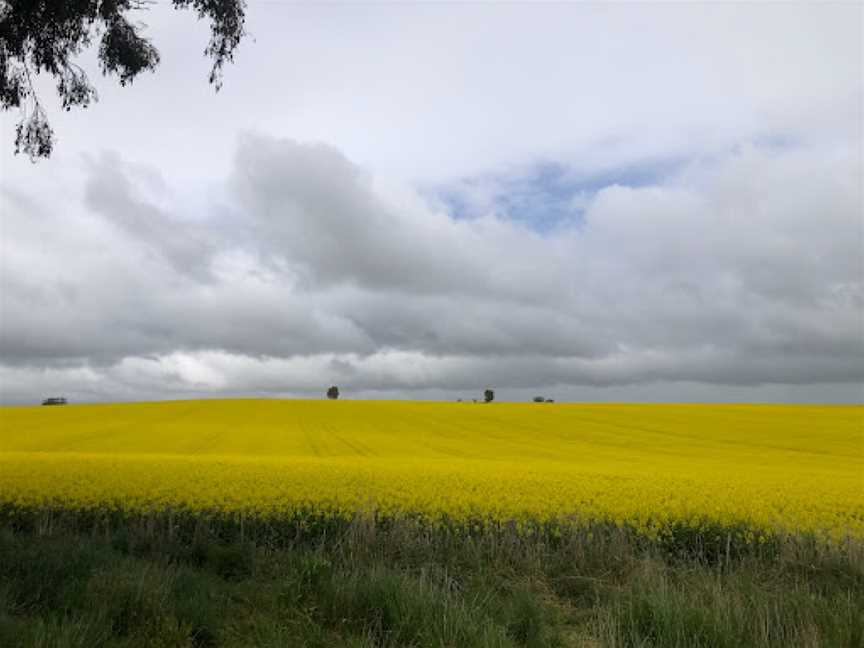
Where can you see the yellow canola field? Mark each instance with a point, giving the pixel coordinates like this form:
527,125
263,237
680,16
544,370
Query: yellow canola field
778,468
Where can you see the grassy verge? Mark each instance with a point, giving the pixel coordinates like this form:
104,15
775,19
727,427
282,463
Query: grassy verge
78,580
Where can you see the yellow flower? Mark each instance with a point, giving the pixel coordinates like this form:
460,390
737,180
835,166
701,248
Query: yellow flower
650,468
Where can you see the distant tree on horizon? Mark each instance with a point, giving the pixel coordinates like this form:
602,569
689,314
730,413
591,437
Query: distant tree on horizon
488,396
43,36
333,392
539,399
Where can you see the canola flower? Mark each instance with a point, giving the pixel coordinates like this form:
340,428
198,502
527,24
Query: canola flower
788,469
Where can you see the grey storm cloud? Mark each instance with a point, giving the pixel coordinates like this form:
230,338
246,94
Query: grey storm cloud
741,271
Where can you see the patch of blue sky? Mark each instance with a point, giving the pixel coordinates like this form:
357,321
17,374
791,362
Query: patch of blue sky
547,196
551,195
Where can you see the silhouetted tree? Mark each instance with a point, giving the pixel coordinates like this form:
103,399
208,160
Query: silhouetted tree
488,396
333,393
44,35
539,399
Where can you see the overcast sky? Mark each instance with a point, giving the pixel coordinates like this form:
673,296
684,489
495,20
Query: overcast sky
623,202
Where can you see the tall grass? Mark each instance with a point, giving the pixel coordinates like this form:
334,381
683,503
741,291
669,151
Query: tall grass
167,579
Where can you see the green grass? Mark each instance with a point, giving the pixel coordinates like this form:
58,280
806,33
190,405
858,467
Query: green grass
363,584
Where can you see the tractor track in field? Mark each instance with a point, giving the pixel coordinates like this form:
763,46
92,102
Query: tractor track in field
359,448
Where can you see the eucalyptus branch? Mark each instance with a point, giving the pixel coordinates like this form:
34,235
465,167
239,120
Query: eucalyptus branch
39,36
